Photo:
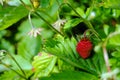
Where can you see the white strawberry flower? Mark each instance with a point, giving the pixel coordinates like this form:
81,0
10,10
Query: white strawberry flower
57,25
35,31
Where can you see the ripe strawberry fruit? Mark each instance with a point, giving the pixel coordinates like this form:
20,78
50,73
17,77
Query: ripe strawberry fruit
84,47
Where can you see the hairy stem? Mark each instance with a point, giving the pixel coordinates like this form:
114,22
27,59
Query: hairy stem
106,58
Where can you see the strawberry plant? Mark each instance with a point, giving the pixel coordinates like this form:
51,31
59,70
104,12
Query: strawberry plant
59,40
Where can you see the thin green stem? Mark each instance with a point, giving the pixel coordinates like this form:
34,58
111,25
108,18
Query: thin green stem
30,21
48,23
27,7
58,9
91,34
13,70
17,64
32,4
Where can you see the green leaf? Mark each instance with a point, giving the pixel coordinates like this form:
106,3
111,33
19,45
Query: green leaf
62,65
43,64
80,11
29,46
6,45
72,23
116,13
25,64
10,75
106,29
98,59
114,39
11,15
112,4
44,3
112,61
70,75
2,33
116,54
117,27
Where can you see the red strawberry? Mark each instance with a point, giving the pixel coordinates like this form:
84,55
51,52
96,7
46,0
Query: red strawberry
84,47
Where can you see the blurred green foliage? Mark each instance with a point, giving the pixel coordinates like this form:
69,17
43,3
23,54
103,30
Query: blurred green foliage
50,56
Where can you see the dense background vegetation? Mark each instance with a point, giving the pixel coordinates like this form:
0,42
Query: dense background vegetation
38,39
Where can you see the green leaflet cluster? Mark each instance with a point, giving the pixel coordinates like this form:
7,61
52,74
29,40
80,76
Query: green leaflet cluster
65,49
43,64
